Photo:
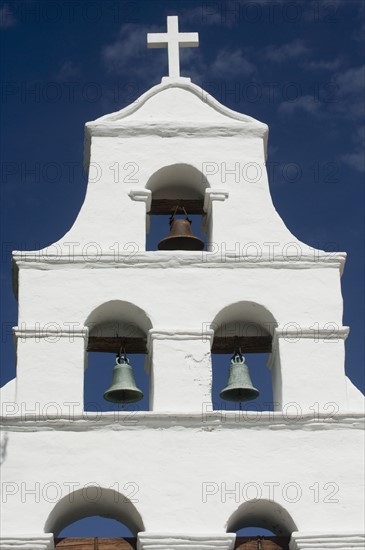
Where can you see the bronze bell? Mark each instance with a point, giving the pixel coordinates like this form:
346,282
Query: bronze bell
239,387
123,388
181,236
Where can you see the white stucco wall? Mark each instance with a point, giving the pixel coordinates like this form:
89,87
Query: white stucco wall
188,474
304,315
181,462
177,123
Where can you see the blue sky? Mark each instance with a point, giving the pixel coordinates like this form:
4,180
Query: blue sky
297,66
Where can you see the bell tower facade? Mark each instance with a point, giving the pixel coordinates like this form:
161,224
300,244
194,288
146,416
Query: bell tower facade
198,474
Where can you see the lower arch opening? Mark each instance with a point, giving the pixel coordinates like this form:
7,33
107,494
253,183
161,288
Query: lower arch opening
262,514
96,527
94,501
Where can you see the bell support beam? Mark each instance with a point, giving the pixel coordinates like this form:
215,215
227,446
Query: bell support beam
113,344
168,206
247,344
221,345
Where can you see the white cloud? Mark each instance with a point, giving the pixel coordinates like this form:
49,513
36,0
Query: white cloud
67,72
227,13
226,65
307,104
128,54
360,136
349,89
231,63
358,33
192,64
322,65
342,97
356,159
351,81
7,18
205,14
291,50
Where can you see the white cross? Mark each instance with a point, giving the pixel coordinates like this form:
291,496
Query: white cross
173,40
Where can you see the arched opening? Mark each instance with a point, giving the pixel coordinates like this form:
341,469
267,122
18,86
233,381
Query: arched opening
243,331
91,512
254,532
261,524
95,527
177,188
115,328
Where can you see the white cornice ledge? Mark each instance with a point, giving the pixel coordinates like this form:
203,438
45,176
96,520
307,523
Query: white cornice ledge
175,80
294,333
206,420
141,195
181,334
319,541
27,542
38,259
168,541
26,332
201,129
205,335
213,195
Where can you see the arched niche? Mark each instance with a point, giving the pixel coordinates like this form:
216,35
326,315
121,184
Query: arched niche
250,322
263,514
247,326
178,181
93,501
115,322
115,326
175,185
